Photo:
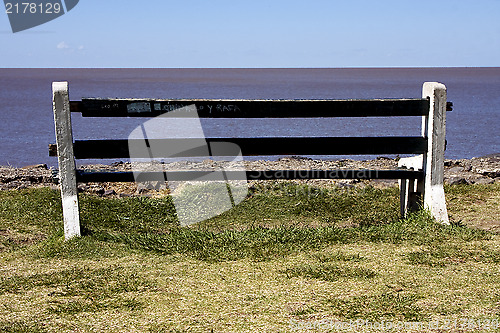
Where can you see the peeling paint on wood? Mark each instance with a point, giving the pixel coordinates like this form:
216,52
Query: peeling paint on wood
66,160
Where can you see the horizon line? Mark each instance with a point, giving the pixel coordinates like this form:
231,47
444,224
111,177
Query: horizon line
345,67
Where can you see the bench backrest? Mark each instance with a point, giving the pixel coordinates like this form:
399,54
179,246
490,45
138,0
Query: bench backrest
430,145
91,149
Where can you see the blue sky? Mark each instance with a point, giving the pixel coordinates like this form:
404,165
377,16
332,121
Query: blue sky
272,33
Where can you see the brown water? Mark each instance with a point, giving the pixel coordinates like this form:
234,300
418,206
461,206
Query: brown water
27,124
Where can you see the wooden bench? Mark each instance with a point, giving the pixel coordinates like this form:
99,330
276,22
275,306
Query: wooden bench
421,176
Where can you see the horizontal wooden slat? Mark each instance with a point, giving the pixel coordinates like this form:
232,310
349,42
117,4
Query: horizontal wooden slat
207,108
124,176
52,149
167,148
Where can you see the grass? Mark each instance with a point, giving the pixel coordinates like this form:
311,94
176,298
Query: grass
287,254
442,255
75,281
380,307
20,327
479,203
328,272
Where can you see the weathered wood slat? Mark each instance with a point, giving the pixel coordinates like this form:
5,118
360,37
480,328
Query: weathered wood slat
128,176
253,108
449,106
169,148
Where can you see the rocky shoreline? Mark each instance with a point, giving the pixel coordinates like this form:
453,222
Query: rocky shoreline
480,170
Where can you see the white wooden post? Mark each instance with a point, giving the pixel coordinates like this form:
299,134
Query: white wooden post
434,129
429,192
66,159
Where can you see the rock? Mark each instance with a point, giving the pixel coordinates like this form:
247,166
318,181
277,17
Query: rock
455,169
484,170
299,158
484,181
384,182
97,189
82,188
14,185
36,166
116,164
489,173
109,192
456,181
142,190
151,185
36,179
344,184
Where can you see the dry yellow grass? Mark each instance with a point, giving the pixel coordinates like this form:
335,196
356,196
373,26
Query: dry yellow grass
115,288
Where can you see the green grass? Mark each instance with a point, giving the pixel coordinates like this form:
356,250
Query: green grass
261,243
478,203
84,289
258,228
378,307
445,254
323,257
328,272
21,327
75,281
286,253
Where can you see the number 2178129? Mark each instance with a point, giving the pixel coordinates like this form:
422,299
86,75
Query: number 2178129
33,8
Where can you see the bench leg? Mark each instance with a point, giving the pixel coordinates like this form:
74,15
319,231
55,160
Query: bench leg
410,189
403,196
434,129
415,196
66,159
